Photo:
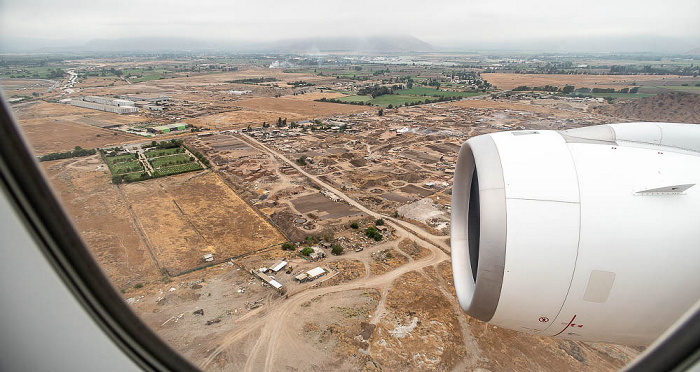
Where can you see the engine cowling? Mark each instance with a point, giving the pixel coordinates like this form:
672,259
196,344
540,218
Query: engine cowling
590,234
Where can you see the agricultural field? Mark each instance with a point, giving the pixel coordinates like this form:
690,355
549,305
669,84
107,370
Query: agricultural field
125,167
426,91
176,169
622,95
164,161
510,81
164,152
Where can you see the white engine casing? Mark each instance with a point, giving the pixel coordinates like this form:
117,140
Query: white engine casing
590,234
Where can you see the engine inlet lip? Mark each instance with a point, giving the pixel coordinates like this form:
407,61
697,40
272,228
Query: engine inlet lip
478,264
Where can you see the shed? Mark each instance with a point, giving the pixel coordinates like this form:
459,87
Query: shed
316,273
279,266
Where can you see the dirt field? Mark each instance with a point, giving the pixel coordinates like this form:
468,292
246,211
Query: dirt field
103,218
668,107
241,119
188,215
56,135
306,109
53,127
24,87
329,209
314,96
510,81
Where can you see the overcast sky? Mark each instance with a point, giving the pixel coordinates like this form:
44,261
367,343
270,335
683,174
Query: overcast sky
441,22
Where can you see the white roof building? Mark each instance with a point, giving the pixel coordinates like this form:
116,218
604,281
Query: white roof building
279,266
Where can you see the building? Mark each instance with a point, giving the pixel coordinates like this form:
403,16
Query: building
272,282
102,107
278,266
209,257
315,273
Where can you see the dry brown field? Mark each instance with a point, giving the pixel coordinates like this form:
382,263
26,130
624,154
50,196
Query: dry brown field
24,87
135,230
103,218
510,81
314,96
57,135
307,109
514,106
240,119
188,215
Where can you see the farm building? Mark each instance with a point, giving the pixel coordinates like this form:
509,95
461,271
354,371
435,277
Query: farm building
315,273
278,266
168,128
272,282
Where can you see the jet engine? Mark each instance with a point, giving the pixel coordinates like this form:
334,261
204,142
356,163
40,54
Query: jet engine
589,234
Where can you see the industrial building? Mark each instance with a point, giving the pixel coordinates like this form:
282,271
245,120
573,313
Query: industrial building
103,107
109,101
168,128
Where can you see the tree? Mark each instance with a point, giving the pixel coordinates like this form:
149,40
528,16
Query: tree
567,89
307,251
302,160
373,232
381,112
354,225
379,222
337,249
287,246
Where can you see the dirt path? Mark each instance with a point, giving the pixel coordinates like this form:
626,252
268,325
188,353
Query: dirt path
434,240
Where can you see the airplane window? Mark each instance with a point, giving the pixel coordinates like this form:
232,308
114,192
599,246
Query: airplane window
284,186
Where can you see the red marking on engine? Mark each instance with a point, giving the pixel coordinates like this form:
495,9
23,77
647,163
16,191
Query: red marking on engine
567,326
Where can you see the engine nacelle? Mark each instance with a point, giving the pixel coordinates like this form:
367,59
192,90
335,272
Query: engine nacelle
590,234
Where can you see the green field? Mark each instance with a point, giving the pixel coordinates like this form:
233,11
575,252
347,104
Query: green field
164,152
120,158
148,77
355,99
426,91
678,88
125,167
169,160
176,169
396,99
622,95
131,177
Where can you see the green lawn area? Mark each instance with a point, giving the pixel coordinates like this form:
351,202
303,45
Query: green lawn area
427,91
131,177
169,160
148,77
623,95
395,99
164,152
125,167
120,158
355,98
176,169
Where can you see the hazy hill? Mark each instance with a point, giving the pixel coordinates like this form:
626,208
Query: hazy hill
375,44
